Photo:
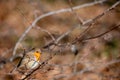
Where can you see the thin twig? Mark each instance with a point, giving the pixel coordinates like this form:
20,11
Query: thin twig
19,63
49,14
87,22
44,30
90,21
74,13
113,28
39,67
105,12
80,37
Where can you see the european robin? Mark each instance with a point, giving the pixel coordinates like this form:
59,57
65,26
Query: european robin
31,59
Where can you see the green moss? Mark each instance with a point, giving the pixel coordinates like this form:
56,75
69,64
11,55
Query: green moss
112,49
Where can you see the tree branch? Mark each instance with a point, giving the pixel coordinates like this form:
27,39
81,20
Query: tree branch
49,14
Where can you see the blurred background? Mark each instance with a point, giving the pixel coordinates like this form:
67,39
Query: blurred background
17,15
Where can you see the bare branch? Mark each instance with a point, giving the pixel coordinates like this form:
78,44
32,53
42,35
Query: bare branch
113,28
90,21
41,65
74,13
49,14
102,14
52,37
80,37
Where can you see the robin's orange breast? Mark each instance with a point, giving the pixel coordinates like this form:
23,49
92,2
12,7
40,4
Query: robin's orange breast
37,55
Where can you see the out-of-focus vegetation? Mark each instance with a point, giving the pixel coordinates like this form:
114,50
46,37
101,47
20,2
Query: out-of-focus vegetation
17,15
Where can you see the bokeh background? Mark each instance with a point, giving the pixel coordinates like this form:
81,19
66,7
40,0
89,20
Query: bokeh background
17,15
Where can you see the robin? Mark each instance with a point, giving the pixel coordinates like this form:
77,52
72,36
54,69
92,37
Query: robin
31,59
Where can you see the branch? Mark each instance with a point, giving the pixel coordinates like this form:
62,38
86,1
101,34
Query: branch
113,28
91,21
99,16
52,37
49,14
75,14
80,21
41,65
